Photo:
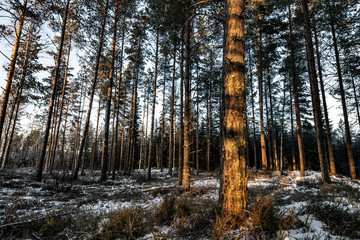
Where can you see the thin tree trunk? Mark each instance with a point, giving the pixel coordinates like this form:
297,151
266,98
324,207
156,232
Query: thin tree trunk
260,78
234,195
276,160
61,108
122,136
105,150
153,106
197,122
172,112
257,165
322,88
315,94
180,169
62,160
282,130
93,87
293,157
271,165
40,163
343,99
162,129
95,152
356,99
296,99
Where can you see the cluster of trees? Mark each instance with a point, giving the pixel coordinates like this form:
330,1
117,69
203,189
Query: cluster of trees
215,85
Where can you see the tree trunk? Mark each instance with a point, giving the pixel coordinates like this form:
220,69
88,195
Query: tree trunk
322,88
172,112
315,94
187,122
260,77
95,147
296,98
93,87
356,99
270,157
234,196
61,108
105,150
162,129
274,142
343,99
257,165
153,106
181,147
11,72
40,163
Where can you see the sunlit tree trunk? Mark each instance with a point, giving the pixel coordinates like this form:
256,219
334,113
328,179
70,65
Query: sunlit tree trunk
270,157
6,93
343,99
40,163
234,195
187,119
315,94
153,106
105,148
260,78
93,87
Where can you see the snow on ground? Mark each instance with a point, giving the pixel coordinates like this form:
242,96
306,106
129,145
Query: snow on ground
21,198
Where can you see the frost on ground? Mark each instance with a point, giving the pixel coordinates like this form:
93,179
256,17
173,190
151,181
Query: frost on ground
304,208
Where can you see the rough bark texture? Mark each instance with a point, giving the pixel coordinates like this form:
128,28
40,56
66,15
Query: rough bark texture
315,95
234,196
187,122
40,163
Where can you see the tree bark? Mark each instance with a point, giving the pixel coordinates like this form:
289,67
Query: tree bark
187,122
343,99
315,94
234,195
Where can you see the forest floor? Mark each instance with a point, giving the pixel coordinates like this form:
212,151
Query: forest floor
282,206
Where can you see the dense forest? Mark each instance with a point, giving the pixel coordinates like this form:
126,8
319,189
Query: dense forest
150,89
